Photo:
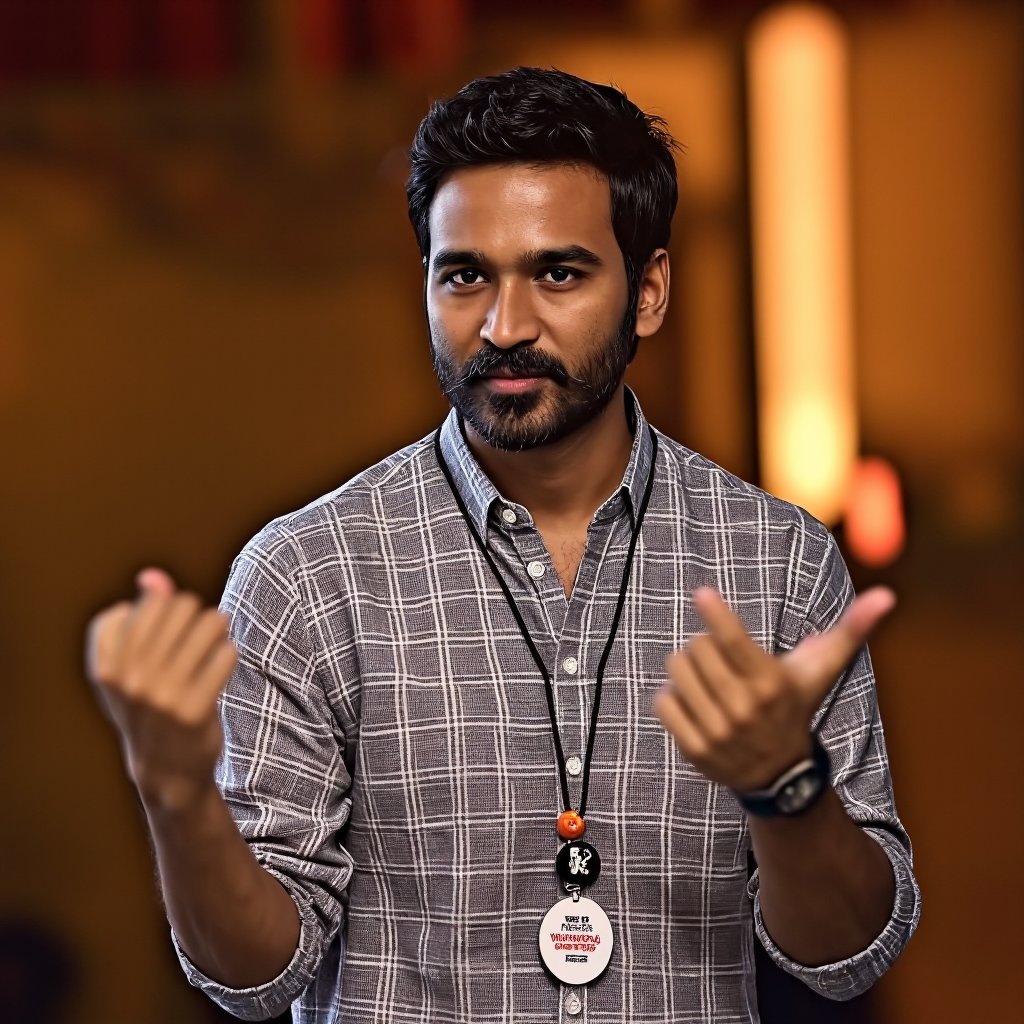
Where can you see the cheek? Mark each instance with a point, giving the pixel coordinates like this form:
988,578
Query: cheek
592,313
453,327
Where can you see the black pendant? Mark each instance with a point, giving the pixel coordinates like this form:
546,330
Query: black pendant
578,863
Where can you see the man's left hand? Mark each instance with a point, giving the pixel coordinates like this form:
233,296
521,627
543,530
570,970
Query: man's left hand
742,716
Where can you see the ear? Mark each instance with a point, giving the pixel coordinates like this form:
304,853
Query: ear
652,300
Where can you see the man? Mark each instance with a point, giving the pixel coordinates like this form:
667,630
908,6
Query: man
455,782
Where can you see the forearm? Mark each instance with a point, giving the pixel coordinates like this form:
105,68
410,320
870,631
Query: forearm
235,921
826,887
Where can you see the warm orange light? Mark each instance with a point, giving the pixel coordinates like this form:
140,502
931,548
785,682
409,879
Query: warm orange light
875,527
801,233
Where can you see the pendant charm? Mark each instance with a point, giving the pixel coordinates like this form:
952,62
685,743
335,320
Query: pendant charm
570,825
576,940
578,863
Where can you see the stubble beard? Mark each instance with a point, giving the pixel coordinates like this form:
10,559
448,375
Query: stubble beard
517,422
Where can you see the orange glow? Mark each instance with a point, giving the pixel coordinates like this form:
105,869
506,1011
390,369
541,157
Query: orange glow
875,527
801,233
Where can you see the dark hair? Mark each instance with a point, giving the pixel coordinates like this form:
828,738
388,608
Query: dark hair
544,116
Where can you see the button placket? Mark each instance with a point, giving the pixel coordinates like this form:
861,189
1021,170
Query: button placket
528,548
573,763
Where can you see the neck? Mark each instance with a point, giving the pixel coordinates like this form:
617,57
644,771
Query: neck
563,483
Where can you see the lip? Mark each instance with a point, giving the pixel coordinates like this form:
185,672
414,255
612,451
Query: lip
511,385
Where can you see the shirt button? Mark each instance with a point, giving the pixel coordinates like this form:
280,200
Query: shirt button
570,665
574,765
536,569
508,515
573,1004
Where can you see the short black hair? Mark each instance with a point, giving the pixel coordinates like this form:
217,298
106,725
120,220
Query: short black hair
545,116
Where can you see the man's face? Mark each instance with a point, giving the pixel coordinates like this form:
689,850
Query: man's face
526,300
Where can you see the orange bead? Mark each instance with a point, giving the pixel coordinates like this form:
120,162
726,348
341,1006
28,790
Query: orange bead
570,825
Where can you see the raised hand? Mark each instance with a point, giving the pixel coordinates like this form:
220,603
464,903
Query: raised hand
742,716
158,666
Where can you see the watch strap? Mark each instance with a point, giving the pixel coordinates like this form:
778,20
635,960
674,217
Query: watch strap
764,803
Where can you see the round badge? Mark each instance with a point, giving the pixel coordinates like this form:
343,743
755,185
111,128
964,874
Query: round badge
576,940
578,863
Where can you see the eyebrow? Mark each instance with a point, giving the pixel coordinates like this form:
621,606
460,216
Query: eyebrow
528,260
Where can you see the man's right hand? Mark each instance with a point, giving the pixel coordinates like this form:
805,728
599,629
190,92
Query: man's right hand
158,666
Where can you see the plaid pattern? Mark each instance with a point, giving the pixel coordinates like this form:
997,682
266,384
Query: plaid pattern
389,755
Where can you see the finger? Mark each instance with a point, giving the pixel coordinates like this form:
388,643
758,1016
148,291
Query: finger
738,649
207,632
692,693
817,661
156,580
675,719
150,608
216,670
730,691
104,641
173,628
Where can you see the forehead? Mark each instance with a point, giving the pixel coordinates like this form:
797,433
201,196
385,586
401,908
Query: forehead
522,206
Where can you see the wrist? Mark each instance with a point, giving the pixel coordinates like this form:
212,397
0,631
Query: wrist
176,797
795,790
769,769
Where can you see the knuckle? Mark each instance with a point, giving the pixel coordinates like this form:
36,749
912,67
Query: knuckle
674,660
744,713
187,602
215,619
676,674
100,670
661,703
227,662
195,714
682,690
719,734
699,644
105,623
699,753
771,686
737,650
167,703
136,684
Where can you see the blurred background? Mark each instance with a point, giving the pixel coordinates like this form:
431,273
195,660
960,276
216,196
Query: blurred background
210,313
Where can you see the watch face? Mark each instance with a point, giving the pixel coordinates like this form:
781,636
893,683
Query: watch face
796,795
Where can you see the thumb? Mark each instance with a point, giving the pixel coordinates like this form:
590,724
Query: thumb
155,581
817,661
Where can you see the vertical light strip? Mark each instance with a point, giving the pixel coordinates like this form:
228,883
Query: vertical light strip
797,74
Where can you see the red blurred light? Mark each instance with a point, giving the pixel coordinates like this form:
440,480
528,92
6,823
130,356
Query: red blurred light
875,526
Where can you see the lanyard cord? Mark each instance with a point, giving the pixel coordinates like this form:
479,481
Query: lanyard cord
541,667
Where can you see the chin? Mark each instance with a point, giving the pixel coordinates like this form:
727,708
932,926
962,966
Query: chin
530,419
508,435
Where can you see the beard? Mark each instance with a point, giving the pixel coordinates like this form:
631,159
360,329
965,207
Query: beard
529,419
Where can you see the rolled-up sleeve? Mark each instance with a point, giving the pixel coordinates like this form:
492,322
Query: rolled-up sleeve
282,772
850,728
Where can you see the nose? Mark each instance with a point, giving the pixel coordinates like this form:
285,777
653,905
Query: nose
512,319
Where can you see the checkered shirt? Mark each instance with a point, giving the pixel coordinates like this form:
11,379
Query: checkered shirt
389,753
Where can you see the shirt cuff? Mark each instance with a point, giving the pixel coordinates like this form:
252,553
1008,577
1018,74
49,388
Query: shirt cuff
270,998
856,974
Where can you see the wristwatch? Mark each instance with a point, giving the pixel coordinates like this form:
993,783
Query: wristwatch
793,792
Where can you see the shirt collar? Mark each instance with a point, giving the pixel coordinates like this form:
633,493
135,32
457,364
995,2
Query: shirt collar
482,498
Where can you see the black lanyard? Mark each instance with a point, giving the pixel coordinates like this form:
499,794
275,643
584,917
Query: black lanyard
620,604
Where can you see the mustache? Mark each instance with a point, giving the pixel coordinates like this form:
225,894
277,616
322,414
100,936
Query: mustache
518,362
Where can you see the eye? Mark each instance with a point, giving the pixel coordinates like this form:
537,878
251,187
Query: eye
464,278
561,275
